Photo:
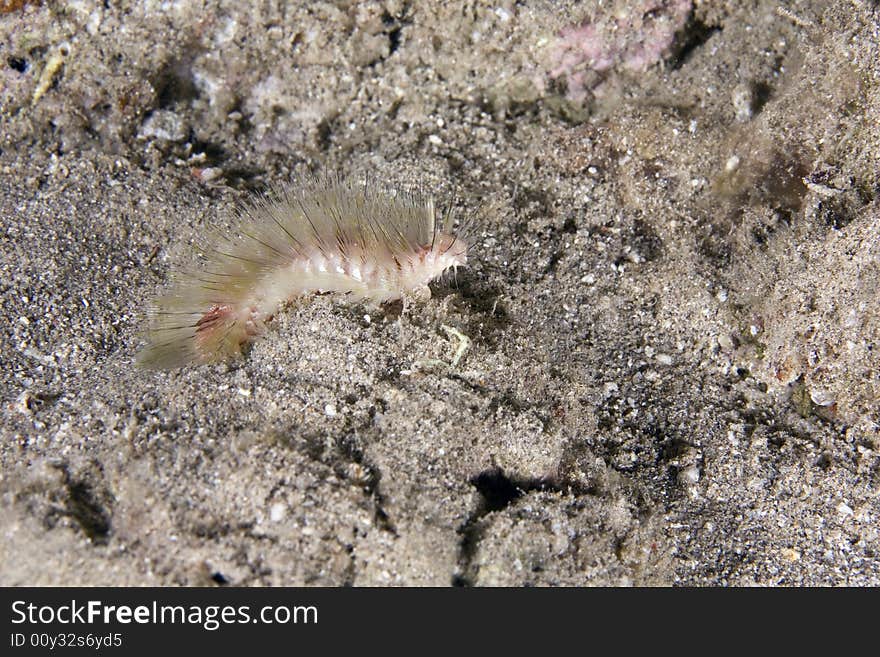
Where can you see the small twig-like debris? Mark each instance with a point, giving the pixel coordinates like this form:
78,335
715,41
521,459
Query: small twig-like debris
53,64
825,191
794,18
152,255
464,343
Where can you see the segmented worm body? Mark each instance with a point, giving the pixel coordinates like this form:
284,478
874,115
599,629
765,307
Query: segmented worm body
367,243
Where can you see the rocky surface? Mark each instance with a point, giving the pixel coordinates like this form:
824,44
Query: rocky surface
672,303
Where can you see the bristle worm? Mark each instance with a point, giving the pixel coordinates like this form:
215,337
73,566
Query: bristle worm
364,242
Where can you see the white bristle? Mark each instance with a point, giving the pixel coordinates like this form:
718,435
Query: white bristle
365,242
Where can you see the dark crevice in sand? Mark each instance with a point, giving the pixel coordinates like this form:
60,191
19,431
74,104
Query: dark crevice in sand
496,491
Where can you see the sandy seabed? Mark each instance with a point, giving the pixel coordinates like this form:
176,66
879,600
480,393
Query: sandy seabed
671,301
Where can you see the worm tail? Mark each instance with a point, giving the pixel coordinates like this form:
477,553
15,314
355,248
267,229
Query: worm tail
178,336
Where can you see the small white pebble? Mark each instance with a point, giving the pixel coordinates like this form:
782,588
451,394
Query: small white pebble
330,410
821,397
791,555
434,139
664,359
743,99
277,512
689,475
244,392
732,164
844,509
211,173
